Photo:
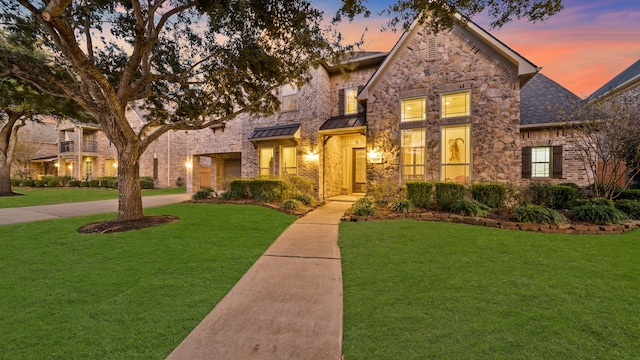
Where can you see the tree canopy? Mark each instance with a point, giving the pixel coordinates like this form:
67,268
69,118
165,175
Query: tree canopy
190,63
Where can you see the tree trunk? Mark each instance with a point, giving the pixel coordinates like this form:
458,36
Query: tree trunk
130,197
5,176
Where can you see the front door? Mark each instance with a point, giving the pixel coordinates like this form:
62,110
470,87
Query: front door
359,171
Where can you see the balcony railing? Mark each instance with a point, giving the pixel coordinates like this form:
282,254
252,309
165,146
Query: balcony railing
87,146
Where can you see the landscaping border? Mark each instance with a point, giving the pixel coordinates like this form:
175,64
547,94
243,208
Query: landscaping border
581,229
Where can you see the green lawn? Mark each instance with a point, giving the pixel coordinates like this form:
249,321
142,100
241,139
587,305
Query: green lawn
46,196
425,290
132,295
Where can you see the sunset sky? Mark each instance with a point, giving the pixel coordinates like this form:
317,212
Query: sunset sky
581,48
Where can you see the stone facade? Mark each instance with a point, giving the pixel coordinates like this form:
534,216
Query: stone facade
461,62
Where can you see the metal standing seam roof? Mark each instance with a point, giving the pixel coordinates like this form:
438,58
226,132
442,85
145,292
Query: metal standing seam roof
344,122
274,132
540,97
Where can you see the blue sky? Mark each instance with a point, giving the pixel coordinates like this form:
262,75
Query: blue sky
582,47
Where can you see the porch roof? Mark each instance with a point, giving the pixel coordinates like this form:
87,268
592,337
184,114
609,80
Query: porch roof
278,132
350,123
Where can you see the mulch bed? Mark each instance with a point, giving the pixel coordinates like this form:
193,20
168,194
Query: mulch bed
114,226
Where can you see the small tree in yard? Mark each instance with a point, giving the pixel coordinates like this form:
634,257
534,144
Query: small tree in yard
606,135
191,63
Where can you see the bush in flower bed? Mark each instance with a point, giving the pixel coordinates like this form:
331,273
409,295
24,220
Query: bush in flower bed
419,193
449,193
365,206
470,208
629,207
400,206
538,214
492,195
73,183
599,214
291,204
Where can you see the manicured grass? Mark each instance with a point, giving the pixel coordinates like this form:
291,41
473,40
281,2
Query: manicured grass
46,196
132,295
423,290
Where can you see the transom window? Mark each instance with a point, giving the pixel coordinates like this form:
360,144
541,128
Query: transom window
413,154
540,161
413,109
288,98
456,104
350,102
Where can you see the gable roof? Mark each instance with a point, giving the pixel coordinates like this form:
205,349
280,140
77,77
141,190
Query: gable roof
526,69
539,100
624,79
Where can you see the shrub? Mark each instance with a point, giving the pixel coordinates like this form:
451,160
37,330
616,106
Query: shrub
538,214
84,184
564,196
202,194
541,193
419,193
64,180
105,181
113,184
240,187
29,182
74,183
268,196
305,199
629,207
300,184
594,201
146,184
53,183
570,184
291,204
364,206
492,195
15,182
400,206
179,181
45,179
94,183
598,214
448,193
629,194
230,195
274,187
470,208
385,191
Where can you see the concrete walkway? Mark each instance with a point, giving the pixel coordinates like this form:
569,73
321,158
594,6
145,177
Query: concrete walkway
57,211
287,306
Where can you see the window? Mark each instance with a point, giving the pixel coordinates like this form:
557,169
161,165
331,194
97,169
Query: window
413,109
413,156
542,162
288,161
288,98
265,161
88,165
350,102
456,104
456,153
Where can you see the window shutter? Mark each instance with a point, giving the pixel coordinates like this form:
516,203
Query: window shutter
360,107
341,102
557,162
526,162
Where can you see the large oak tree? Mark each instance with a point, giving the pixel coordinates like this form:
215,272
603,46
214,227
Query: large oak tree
193,63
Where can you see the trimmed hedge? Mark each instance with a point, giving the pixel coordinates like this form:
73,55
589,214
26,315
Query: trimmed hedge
146,184
15,182
629,207
266,190
449,193
419,193
74,183
564,196
492,195
629,194
29,182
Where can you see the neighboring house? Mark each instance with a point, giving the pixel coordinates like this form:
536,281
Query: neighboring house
85,152
35,154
